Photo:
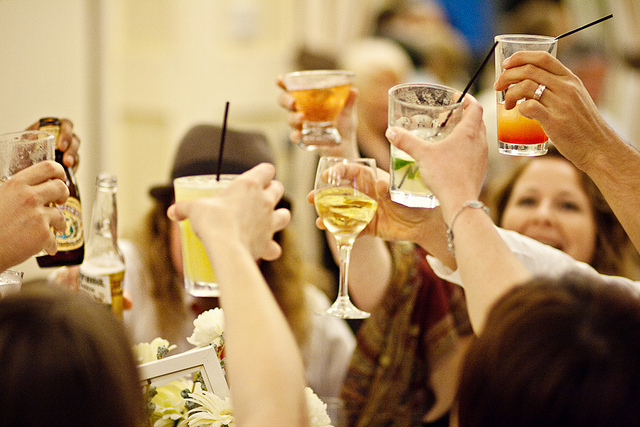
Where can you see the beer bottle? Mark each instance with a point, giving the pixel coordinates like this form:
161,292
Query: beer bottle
102,272
71,241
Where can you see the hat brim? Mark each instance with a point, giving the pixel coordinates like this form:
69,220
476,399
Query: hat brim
162,193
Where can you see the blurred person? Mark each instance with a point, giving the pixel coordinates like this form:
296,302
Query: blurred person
555,352
379,64
154,278
237,228
404,366
440,53
65,362
548,199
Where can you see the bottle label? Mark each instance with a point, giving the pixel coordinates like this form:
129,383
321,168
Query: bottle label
73,236
104,288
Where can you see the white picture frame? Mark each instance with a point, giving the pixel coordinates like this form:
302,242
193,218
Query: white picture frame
205,360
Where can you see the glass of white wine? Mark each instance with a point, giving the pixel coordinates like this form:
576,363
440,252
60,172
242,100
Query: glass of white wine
345,200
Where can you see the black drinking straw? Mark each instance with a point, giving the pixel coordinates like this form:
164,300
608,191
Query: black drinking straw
597,21
224,131
473,79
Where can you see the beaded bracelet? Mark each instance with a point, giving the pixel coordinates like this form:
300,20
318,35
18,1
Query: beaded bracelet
474,204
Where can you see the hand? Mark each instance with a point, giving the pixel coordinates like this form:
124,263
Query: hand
68,143
453,168
346,124
67,277
565,110
26,216
243,212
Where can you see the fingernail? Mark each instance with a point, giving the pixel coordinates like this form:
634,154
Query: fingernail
391,134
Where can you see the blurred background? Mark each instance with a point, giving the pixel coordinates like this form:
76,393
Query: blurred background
135,75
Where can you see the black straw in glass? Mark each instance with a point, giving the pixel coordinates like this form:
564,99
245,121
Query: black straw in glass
222,135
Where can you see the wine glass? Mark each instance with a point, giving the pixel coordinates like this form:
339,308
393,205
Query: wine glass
345,201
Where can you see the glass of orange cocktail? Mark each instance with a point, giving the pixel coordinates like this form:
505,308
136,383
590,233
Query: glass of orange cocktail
518,135
320,95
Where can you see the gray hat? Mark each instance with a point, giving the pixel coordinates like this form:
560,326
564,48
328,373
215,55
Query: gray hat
199,149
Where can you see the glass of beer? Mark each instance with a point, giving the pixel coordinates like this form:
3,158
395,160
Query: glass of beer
320,95
430,112
199,277
517,134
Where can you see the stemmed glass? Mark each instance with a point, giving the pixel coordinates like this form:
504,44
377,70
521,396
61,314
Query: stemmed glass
345,201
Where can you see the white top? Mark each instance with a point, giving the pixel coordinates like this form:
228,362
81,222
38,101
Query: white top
326,355
538,258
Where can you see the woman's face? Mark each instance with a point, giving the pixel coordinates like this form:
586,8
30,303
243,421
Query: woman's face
549,204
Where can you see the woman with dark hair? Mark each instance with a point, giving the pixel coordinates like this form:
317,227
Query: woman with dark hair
65,361
555,352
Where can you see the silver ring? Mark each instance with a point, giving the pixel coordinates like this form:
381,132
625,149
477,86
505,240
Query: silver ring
539,91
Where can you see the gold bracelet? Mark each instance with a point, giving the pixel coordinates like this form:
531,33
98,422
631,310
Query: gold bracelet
474,204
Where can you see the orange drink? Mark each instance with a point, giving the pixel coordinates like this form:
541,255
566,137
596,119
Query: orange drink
518,135
320,95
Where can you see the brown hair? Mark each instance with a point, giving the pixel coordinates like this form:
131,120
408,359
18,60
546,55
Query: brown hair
614,253
66,361
556,352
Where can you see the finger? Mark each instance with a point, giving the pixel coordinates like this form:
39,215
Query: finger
286,101
66,134
127,302
179,210
272,251
295,120
540,59
280,82
50,245
56,218
71,156
40,172
34,126
281,219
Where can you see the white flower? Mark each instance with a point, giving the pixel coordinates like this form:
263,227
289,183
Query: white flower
318,416
212,412
148,352
208,328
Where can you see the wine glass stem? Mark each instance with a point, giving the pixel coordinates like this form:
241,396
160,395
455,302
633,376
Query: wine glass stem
344,254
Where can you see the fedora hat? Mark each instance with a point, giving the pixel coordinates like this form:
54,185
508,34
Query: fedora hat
198,154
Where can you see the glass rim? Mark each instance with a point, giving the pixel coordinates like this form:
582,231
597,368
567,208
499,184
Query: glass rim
13,136
525,38
451,106
320,72
205,178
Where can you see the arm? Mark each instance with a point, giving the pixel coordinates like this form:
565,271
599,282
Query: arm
454,170
572,121
26,216
264,363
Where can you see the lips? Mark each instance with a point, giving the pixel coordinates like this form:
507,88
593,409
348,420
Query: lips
553,241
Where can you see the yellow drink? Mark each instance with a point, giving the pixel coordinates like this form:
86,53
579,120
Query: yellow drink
344,211
199,277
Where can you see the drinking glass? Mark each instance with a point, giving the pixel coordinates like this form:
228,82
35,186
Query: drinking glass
517,134
199,277
19,150
10,282
430,112
320,95
345,201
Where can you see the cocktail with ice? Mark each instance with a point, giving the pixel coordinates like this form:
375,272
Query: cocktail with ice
430,112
